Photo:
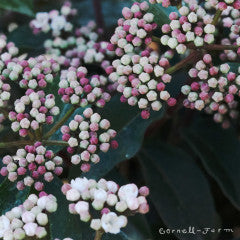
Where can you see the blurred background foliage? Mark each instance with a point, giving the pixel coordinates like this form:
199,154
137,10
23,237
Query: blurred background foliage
191,164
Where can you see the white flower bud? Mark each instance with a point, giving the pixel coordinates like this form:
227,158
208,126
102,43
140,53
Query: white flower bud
42,219
30,229
73,195
95,224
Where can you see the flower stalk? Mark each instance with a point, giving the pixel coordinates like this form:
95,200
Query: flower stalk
14,144
60,123
98,234
216,17
190,58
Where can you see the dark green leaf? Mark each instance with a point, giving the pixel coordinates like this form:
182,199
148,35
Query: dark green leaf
234,66
219,151
111,10
160,13
10,197
130,127
26,41
62,223
23,6
178,188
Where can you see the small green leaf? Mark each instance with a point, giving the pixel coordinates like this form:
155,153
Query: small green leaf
23,6
179,190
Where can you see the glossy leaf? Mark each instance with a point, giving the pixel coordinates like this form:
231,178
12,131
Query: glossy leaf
160,13
219,151
178,189
234,66
23,6
26,41
130,127
10,197
62,223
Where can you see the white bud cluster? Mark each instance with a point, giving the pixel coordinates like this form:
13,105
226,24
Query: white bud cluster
32,166
77,89
193,26
5,93
107,197
134,30
34,73
87,136
32,111
8,50
29,219
142,80
84,47
54,21
230,21
213,89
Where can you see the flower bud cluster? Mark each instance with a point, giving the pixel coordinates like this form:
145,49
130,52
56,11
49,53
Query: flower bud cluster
88,196
165,3
77,89
86,136
194,25
34,73
5,93
32,166
82,47
230,21
29,219
33,110
134,30
225,3
222,5
213,89
54,21
142,80
8,50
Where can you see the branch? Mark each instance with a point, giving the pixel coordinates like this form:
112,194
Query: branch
55,143
15,144
98,235
98,13
189,59
59,123
213,47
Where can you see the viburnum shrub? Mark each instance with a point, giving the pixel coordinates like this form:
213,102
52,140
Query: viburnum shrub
73,109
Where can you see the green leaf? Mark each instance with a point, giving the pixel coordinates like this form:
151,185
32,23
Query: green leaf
160,13
26,41
127,121
234,66
10,197
219,151
62,223
23,6
120,236
178,189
